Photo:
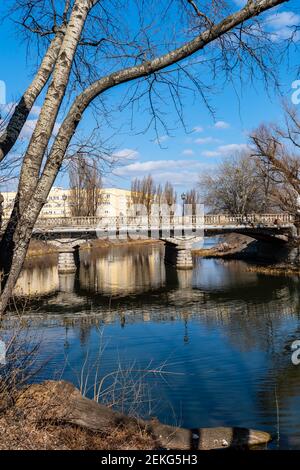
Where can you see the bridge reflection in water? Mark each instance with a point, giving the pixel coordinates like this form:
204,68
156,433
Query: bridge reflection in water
224,332
138,272
178,233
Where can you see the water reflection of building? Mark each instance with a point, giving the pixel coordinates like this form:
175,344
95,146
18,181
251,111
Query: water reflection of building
122,272
37,281
242,306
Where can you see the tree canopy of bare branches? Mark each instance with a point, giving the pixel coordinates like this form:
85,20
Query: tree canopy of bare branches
234,188
276,148
145,192
85,184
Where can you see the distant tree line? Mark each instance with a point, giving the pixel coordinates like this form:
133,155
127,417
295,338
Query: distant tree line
85,184
146,192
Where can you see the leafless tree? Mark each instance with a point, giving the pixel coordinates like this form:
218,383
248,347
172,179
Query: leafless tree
193,197
146,192
85,185
169,194
278,149
264,175
234,187
89,47
143,192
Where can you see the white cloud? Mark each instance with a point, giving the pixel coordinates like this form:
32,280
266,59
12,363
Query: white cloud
197,129
184,178
29,127
179,172
240,3
222,125
225,150
210,153
127,154
9,108
35,111
282,19
232,148
282,25
161,138
188,152
140,168
206,140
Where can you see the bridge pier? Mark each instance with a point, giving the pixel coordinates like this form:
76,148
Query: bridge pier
66,282
179,255
67,260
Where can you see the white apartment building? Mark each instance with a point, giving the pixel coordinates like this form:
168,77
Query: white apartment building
114,202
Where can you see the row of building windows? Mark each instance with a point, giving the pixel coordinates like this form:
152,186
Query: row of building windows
61,201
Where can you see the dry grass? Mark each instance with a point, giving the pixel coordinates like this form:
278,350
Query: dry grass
19,433
208,253
40,248
232,244
37,416
283,270
105,243
37,421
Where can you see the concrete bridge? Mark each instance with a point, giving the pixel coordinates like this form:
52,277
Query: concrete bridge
178,233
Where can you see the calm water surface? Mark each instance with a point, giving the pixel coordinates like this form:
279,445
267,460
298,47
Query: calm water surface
218,337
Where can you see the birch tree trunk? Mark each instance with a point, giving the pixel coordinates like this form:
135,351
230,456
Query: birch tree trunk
20,114
55,94
43,131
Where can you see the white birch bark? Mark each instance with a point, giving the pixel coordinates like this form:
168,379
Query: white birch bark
55,94
18,118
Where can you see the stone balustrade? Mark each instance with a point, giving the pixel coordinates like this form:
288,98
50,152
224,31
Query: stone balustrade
208,219
106,223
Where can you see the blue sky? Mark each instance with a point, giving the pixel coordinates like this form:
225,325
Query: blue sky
181,155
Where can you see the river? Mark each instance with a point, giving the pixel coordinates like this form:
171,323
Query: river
205,347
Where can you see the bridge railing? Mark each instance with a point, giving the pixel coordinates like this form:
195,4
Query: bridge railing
106,223
266,219
68,222
119,222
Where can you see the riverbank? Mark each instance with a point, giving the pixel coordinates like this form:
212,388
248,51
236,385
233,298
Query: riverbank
233,246
39,248
263,257
276,270
55,416
105,243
